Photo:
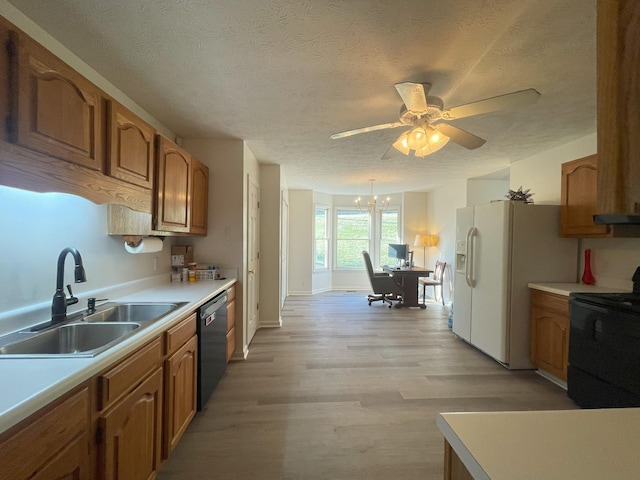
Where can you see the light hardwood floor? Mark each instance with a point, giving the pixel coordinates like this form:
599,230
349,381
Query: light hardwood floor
347,391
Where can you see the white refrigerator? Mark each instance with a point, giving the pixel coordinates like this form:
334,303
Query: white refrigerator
500,248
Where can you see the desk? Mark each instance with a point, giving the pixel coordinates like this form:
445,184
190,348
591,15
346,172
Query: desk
409,277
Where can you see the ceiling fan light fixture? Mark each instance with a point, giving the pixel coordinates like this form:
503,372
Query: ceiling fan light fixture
417,138
402,144
435,141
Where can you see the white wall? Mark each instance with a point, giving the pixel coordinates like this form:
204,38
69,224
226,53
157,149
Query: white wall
224,242
481,191
542,172
38,226
270,222
300,242
226,183
414,222
442,205
321,279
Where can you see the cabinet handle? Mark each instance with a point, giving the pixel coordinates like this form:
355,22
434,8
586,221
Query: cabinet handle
252,271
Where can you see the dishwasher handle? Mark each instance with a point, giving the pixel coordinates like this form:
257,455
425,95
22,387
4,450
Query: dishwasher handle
209,309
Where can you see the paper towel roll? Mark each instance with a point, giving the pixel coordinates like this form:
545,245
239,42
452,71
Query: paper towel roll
148,245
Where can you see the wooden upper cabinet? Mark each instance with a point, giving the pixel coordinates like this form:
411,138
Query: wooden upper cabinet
199,197
130,148
618,82
173,188
53,109
579,199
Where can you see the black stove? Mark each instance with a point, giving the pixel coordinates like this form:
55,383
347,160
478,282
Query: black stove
604,348
624,301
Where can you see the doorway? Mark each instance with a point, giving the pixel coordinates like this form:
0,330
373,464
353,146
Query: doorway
253,258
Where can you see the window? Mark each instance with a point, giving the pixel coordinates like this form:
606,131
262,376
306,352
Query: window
389,233
321,253
352,237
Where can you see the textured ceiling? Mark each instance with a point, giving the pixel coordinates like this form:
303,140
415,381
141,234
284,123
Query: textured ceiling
286,74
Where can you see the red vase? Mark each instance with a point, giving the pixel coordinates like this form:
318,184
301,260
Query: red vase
587,276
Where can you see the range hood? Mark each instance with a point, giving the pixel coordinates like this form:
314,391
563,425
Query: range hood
617,219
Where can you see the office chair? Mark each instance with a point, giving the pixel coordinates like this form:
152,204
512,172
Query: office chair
384,285
435,281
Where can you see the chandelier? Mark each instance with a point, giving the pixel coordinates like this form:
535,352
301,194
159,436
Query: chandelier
372,204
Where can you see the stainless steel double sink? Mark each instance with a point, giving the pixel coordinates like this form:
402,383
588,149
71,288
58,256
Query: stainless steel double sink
85,335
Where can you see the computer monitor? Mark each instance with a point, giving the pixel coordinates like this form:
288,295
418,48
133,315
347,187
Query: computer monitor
399,251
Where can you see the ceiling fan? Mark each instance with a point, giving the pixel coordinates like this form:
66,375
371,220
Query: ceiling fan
423,112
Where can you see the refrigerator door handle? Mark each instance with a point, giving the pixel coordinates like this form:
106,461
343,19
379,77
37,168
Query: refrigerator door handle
468,273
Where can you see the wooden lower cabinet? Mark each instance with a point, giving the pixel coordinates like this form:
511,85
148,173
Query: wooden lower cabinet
121,424
51,444
71,462
454,469
231,322
550,333
181,370
130,433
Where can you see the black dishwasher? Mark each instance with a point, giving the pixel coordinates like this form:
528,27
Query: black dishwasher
212,346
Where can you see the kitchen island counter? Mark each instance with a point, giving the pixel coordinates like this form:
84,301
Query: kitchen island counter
550,445
29,384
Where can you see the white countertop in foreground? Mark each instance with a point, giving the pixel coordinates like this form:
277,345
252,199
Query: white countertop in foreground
26,385
567,288
550,445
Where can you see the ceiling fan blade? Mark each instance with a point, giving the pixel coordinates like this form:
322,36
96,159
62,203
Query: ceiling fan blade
373,128
461,137
501,102
414,95
391,153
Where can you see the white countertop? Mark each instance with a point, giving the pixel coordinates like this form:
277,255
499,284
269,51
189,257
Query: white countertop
30,384
551,445
567,288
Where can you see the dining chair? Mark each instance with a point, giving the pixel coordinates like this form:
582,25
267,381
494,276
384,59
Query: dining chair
435,281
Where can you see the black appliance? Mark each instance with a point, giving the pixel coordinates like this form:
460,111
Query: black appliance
604,348
212,346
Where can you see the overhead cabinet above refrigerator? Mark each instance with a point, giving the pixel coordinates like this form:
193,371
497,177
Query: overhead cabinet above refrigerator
500,248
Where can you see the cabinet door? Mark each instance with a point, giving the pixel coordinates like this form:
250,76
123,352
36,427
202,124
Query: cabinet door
618,114
550,332
580,198
173,195
180,394
231,343
54,110
131,147
131,433
231,323
52,443
199,197
71,463
550,341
